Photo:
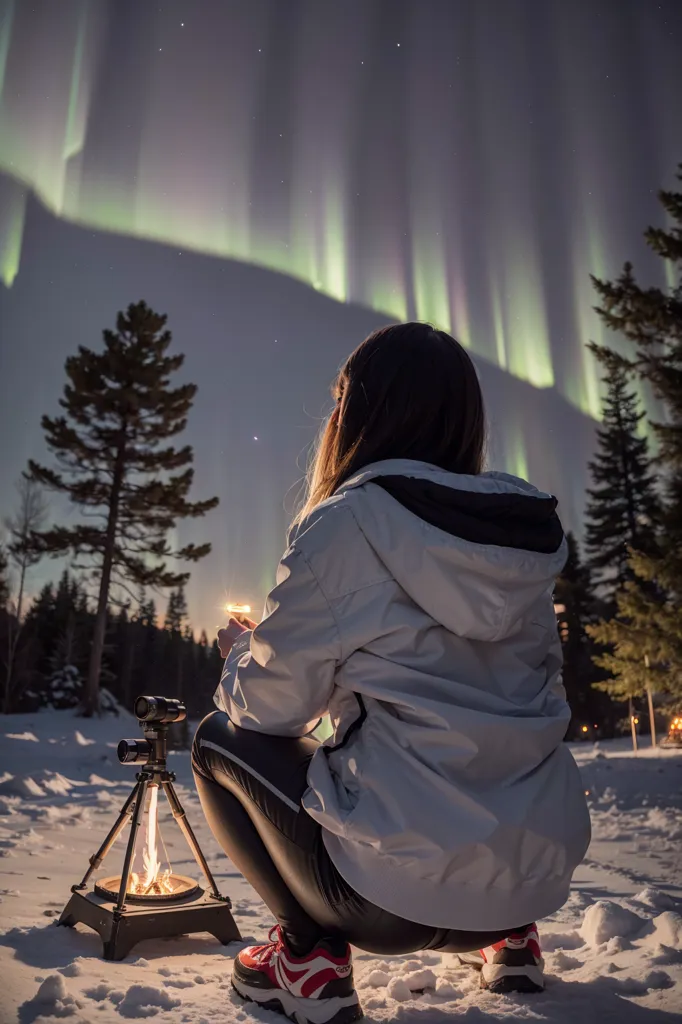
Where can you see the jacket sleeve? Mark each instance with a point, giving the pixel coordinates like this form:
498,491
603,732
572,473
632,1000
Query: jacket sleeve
279,677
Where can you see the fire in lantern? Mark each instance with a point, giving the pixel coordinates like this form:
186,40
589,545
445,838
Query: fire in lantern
152,883
155,882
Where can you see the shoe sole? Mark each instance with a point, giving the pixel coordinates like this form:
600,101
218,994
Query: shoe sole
502,979
499,978
335,1010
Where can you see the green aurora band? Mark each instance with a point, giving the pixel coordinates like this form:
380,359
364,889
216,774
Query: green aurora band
363,210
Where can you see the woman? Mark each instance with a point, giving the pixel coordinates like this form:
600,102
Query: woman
414,606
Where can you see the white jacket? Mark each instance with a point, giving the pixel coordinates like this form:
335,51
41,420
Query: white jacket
415,606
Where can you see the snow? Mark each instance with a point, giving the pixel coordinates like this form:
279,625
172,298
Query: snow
613,953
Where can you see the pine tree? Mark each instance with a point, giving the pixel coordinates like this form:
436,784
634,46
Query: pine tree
24,553
177,646
646,633
176,613
624,509
112,462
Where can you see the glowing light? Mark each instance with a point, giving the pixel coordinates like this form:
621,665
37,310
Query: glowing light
12,215
154,881
7,16
74,135
194,171
150,860
584,728
238,609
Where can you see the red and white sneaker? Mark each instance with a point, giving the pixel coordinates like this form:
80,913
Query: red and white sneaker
513,965
313,989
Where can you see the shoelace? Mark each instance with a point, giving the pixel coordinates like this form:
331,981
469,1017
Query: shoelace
269,950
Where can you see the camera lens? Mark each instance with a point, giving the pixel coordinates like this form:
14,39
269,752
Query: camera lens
159,709
132,751
142,708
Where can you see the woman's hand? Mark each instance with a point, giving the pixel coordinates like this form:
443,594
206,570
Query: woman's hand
228,634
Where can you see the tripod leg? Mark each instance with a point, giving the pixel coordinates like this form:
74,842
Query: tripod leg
132,838
181,818
111,838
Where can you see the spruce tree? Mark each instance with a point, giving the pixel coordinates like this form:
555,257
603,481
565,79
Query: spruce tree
623,509
176,612
646,633
113,463
177,650
24,554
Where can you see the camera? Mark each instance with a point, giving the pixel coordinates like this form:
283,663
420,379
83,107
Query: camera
162,710
154,714
134,751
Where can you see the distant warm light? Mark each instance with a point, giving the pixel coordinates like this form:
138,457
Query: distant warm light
635,721
584,728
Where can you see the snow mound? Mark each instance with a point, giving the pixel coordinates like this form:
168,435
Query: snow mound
81,740
36,785
667,930
53,782
51,1000
145,1001
21,785
654,898
399,990
375,979
417,981
22,736
665,820
6,806
605,920
562,962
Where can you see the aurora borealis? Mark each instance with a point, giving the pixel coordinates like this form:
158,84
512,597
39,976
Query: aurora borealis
467,162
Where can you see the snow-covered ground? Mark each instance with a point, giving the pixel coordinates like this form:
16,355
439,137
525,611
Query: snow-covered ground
613,953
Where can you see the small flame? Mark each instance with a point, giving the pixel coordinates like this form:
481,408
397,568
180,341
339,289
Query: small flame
150,860
155,882
238,609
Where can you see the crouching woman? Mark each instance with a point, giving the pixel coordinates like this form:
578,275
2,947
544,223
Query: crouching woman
414,607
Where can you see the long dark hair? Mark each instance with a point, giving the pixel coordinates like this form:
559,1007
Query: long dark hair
408,391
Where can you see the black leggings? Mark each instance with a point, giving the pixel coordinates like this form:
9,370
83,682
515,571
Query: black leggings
251,786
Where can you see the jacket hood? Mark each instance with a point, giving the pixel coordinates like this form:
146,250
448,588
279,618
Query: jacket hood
485,548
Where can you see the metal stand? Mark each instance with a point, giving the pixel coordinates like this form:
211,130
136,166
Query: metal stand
122,925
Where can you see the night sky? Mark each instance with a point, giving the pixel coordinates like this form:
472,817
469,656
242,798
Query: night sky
281,177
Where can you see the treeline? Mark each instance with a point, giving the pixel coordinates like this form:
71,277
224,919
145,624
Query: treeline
142,652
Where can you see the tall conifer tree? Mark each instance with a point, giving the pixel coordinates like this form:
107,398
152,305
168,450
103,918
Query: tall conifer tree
112,460
646,633
623,509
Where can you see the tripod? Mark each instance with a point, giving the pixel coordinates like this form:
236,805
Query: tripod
123,924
